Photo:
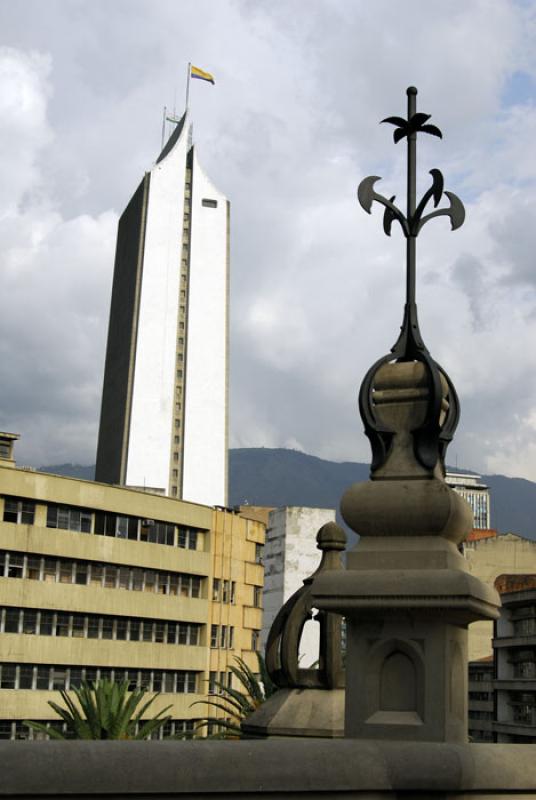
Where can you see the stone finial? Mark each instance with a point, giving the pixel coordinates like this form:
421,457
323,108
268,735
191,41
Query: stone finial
406,593
283,644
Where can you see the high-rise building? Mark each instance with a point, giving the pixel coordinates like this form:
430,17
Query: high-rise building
164,413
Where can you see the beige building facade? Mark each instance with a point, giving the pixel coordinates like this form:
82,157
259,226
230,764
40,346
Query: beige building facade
488,558
101,581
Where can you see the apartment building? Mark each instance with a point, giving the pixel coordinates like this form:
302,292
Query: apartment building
98,580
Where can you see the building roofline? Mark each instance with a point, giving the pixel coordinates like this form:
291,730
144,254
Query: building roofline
173,139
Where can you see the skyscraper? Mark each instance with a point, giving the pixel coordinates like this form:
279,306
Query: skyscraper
164,413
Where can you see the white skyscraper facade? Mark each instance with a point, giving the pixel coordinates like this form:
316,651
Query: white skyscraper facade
164,415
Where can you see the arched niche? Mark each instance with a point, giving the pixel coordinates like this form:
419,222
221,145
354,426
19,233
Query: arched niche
395,683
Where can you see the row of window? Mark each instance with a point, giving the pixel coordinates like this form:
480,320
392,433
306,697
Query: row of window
217,682
482,696
48,677
96,574
487,715
222,636
524,662
525,627
16,729
92,626
223,591
104,524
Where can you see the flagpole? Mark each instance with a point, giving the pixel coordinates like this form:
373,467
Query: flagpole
188,84
163,128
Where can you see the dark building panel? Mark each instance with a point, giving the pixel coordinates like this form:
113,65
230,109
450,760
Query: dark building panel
120,349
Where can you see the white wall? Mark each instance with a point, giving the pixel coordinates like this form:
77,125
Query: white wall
205,407
154,378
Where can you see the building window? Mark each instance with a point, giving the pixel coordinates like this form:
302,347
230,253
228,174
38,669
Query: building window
226,591
70,519
121,527
213,636
212,678
257,596
258,553
19,511
207,203
157,532
12,620
188,538
233,592
15,567
216,590
255,640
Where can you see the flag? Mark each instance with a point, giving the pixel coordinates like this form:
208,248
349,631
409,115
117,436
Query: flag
195,72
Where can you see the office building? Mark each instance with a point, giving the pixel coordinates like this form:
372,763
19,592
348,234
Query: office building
515,660
97,580
470,487
163,424
481,704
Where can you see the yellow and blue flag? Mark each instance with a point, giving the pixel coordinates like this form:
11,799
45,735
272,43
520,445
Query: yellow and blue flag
195,72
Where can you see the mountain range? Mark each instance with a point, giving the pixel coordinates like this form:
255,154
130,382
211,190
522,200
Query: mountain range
277,477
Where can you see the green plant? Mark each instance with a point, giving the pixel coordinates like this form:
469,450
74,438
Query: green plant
104,710
237,704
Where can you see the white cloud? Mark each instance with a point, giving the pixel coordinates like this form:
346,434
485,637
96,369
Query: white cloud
288,131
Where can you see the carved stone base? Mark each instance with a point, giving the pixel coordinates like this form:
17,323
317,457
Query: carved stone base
299,712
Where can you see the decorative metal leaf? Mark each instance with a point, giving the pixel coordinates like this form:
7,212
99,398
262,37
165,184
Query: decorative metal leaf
457,211
388,217
399,121
433,129
399,134
437,185
417,120
365,192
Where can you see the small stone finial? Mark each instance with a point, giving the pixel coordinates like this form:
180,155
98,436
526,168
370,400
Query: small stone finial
283,645
330,538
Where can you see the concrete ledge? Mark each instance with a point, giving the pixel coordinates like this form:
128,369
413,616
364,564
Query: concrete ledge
279,768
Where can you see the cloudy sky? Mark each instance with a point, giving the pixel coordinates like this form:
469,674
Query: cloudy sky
287,132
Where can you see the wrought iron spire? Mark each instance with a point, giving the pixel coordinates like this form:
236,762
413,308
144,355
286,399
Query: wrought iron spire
431,439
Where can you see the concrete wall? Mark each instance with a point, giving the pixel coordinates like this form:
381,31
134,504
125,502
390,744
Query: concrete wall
306,769
290,556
